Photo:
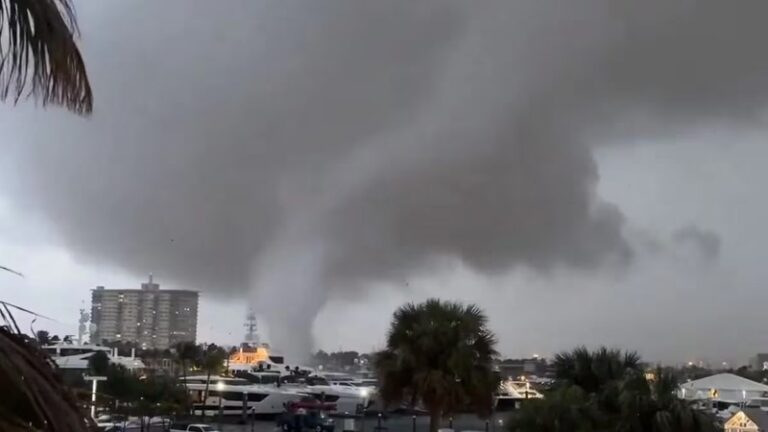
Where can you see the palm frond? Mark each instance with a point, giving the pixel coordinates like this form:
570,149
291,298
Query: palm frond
7,304
39,57
35,398
9,270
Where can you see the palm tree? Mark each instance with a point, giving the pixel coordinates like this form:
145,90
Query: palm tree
441,355
213,362
567,409
654,406
598,373
593,370
188,354
39,55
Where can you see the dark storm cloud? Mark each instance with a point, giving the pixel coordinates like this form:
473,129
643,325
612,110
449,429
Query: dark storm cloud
705,243
333,141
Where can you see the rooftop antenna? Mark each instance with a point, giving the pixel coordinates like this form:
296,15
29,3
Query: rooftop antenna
150,285
251,328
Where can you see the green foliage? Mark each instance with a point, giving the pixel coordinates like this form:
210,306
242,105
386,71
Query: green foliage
98,363
121,384
188,355
43,337
654,406
139,395
593,370
155,353
567,409
607,390
439,354
160,396
212,359
343,360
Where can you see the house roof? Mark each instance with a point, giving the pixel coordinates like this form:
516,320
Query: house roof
758,416
80,361
725,381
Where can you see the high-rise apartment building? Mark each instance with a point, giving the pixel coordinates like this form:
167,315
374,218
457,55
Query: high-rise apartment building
150,317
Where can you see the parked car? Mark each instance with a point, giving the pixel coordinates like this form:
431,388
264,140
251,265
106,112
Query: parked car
192,427
307,414
120,423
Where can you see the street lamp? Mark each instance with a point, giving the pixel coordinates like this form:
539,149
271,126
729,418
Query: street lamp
95,380
220,388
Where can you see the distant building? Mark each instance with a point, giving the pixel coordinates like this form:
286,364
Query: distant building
72,359
760,362
162,364
723,390
149,317
515,368
747,420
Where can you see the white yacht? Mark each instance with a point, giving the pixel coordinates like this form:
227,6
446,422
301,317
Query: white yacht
340,379
232,393
344,400
262,359
348,401
260,366
367,387
511,394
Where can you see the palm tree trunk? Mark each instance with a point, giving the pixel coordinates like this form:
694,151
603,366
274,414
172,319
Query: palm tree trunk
186,389
434,420
205,394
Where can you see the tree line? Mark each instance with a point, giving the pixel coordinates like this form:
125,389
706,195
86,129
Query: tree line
156,394
441,355
342,360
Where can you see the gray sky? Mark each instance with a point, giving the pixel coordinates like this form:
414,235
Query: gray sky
588,172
